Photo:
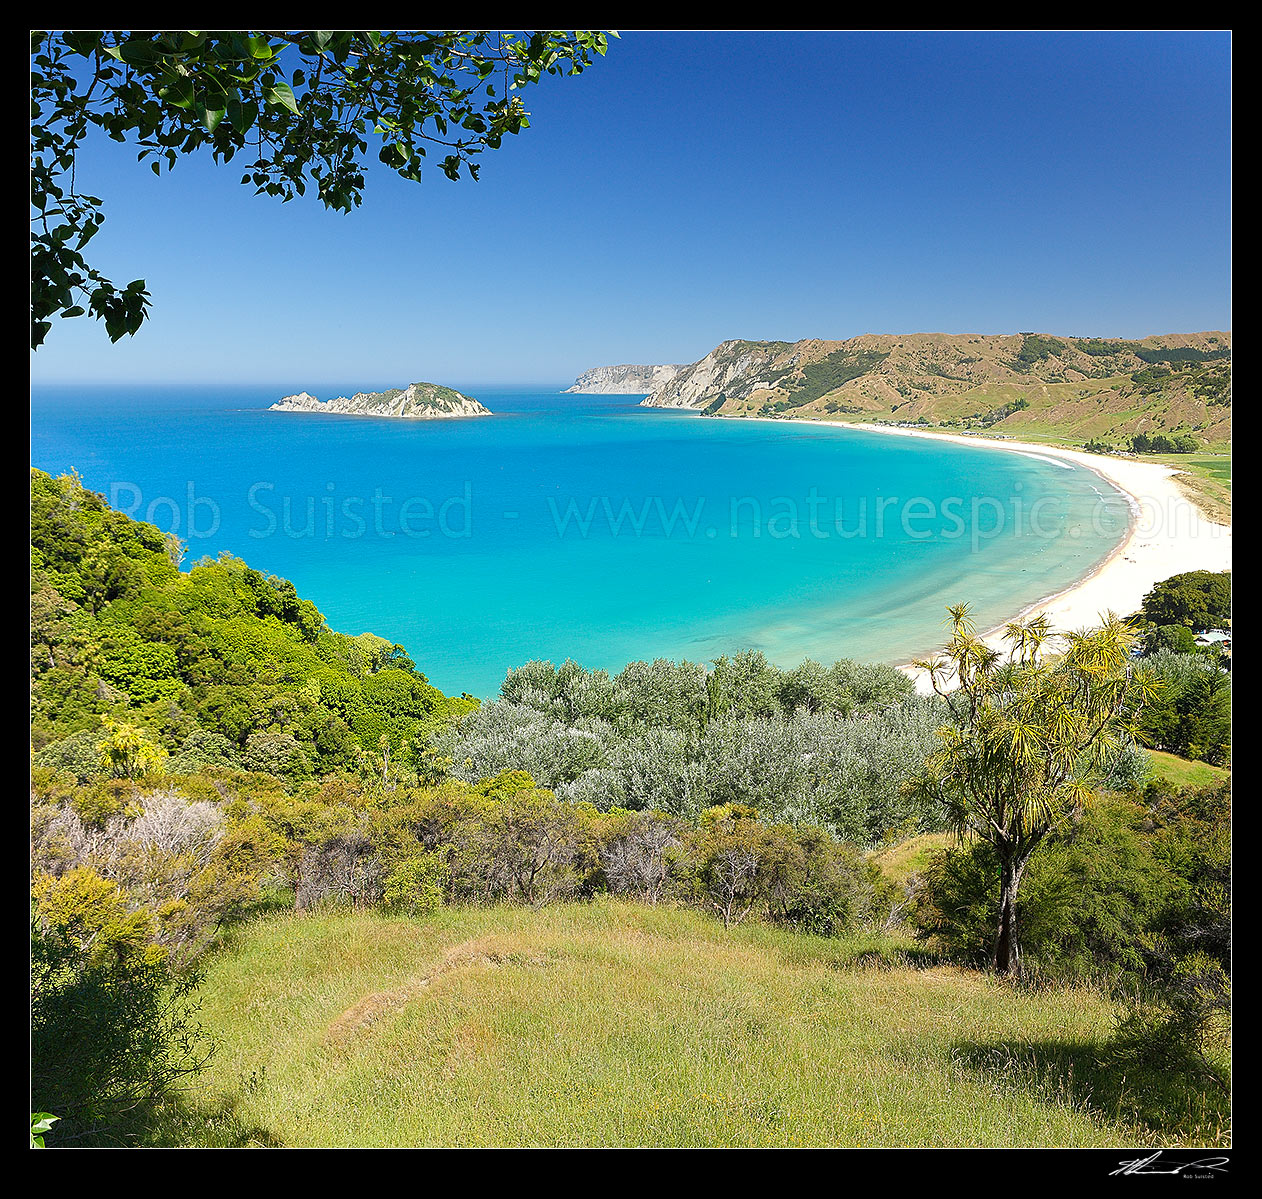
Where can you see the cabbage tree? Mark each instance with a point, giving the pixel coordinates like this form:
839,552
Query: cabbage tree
1034,728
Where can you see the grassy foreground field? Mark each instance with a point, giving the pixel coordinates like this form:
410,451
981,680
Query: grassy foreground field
1185,773
619,1024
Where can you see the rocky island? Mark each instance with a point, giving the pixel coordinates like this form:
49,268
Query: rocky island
623,380
417,401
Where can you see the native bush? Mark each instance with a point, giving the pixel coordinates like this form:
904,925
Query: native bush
1180,1019
639,854
1191,713
1197,599
416,883
113,1025
201,749
1087,897
120,633
78,756
736,866
820,745
1133,892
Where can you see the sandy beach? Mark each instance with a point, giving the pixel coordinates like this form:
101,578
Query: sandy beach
1168,534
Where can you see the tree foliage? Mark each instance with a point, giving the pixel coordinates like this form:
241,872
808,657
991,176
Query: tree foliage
1031,737
1087,897
295,109
1197,599
1134,894
135,661
1191,714
1181,1019
821,745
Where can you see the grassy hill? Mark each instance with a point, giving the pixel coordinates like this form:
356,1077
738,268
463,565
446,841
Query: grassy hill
1031,384
1181,772
613,1023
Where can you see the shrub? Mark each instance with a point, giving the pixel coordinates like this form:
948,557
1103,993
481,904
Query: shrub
126,752
1174,638
640,855
113,1026
1136,892
78,755
1180,1019
1191,714
1086,896
416,883
185,862
276,753
756,743
202,748
735,866
344,868
1035,348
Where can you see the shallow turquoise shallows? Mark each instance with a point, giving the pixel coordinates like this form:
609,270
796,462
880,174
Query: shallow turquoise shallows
587,527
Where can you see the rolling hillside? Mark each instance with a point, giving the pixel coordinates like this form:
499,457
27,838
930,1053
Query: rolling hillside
619,1024
1030,384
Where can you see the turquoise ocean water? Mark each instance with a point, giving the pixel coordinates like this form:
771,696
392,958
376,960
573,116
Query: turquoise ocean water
587,527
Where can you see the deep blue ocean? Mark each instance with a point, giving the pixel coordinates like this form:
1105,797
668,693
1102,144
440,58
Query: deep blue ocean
587,527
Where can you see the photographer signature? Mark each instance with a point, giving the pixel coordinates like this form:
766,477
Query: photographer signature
1144,1165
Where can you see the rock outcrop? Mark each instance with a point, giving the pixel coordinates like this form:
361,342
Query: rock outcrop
417,401
730,366
623,380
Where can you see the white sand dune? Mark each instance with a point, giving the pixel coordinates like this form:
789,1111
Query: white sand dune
1168,535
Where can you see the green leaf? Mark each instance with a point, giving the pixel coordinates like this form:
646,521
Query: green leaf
41,1122
180,93
139,52
210,117
83,41
281,95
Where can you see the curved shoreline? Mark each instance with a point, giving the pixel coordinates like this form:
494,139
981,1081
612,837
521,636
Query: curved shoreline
1167,535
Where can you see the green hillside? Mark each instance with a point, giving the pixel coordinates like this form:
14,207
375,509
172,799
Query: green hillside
219,665
618,1024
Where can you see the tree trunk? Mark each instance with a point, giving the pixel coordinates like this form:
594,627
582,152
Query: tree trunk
1007,959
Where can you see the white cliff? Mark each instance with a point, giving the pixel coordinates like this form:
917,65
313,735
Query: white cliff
623,380
732,367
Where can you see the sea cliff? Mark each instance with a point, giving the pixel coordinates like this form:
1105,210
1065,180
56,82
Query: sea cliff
624,380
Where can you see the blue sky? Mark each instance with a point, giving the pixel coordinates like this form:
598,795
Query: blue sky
695,187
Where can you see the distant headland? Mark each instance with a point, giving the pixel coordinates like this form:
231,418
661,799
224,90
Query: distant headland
1102,391
417,401
623,380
